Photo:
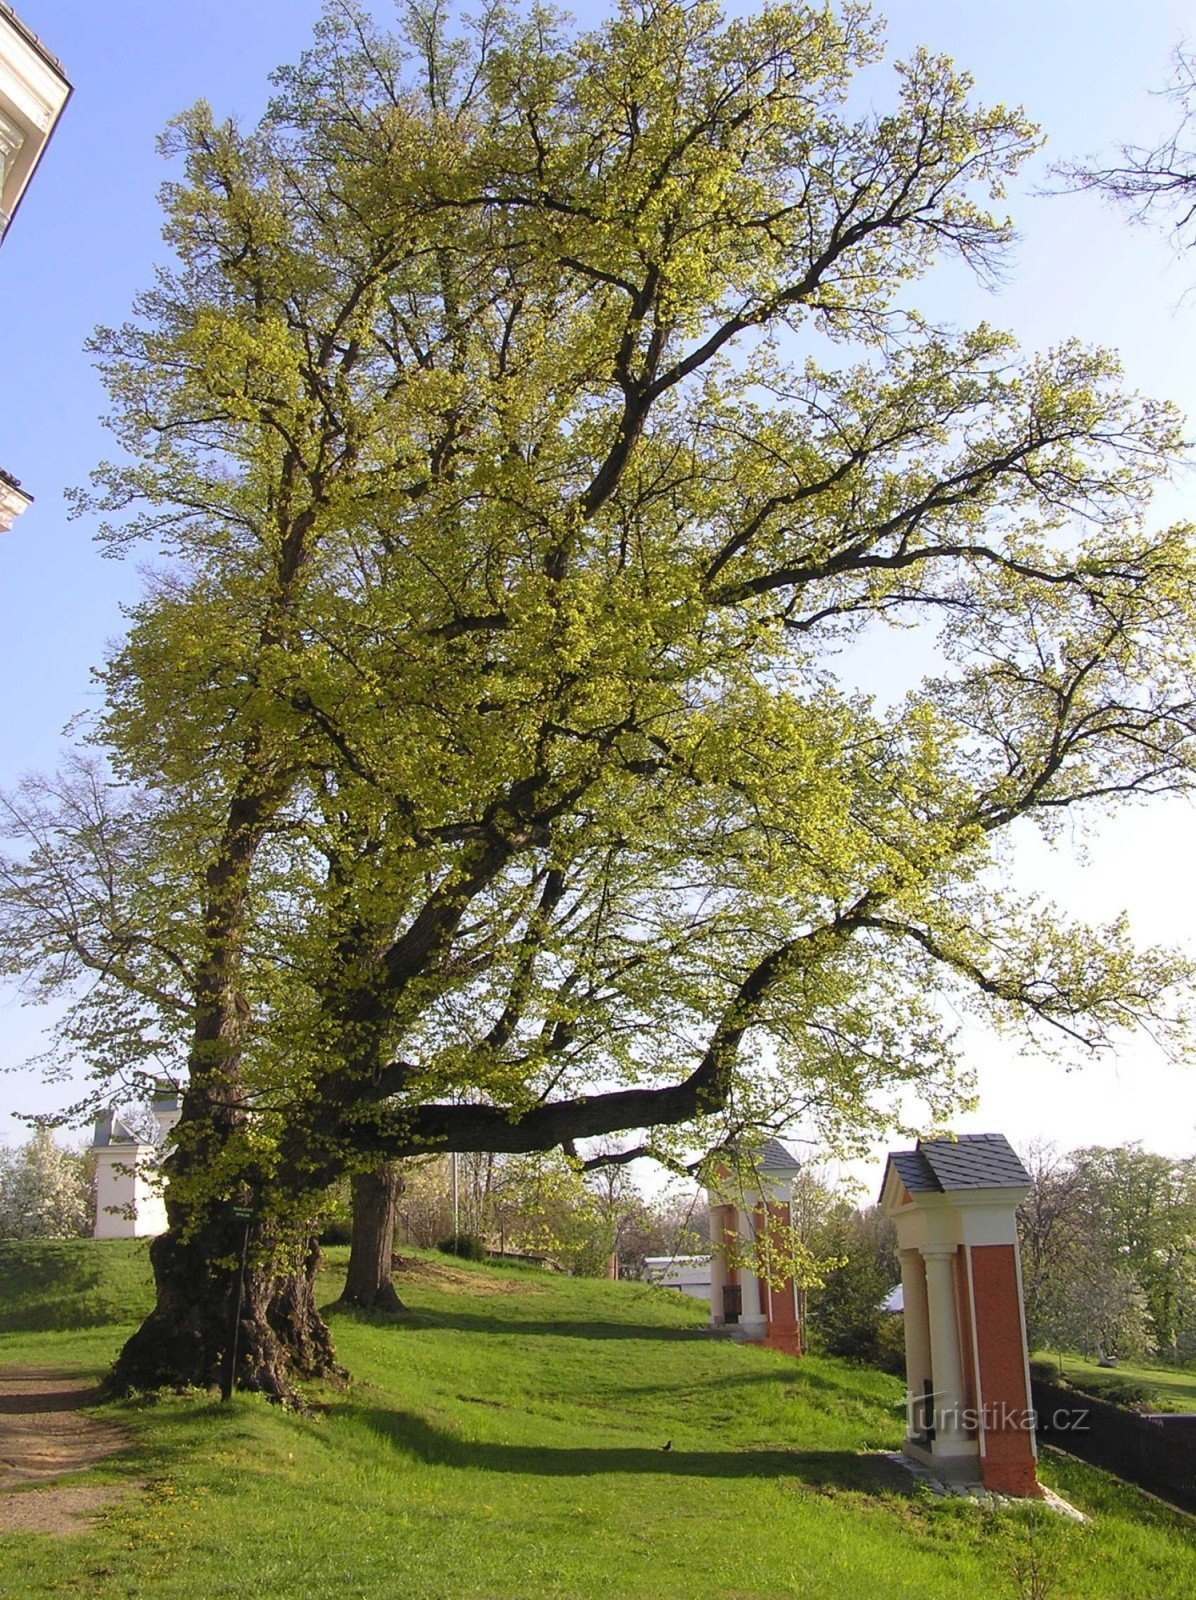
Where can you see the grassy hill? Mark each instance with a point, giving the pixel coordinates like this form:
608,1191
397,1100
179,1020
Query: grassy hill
503,1441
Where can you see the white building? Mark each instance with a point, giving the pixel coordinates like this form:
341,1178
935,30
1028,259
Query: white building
129,1202
13,500
690,1274
33,92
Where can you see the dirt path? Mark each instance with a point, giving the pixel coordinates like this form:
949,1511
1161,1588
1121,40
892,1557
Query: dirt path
44,1436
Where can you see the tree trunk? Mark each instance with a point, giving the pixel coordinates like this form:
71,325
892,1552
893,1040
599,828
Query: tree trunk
369,1285
187,1338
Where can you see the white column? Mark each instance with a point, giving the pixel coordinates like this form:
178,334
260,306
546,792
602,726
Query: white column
917,1335
718,1264
748,1282
945,1367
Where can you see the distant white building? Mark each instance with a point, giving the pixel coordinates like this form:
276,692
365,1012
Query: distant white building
894,1302
129,1202
690,1274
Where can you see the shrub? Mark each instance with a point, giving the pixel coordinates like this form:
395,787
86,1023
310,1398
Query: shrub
465,1246
879,1344
1118,1392
890,1346
1042,1371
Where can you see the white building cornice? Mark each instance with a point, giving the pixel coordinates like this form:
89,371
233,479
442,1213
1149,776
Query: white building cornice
13,500
33,91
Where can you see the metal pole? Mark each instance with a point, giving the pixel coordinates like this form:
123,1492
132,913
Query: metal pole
230,1371
456,1216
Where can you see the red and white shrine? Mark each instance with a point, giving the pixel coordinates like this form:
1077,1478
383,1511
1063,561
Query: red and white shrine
747,1214
954,1204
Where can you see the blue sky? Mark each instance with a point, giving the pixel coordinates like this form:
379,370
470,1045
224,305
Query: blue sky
87,237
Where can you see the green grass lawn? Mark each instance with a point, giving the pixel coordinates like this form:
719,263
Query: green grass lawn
504,1441
1175,1387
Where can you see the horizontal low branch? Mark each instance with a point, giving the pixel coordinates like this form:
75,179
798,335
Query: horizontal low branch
441,1129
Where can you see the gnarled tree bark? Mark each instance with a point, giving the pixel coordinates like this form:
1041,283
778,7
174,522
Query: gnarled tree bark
185,1341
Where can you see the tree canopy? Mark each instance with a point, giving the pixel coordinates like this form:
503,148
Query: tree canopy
531,430
1109,1250
45,1191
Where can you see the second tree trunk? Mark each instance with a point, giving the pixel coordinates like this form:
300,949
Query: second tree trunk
369,1284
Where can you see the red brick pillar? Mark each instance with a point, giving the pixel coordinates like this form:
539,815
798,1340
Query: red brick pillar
780,1304
1007,1453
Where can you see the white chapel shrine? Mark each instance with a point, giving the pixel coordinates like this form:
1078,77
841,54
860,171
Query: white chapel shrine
129,1201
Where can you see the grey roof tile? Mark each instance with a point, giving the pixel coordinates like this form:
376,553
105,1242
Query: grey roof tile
974,1161
914,1170
775,1158
971,1161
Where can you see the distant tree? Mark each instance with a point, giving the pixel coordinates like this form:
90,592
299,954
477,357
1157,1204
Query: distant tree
424,1211
1139,1213
1156,181
538,1204
45,1191
1102,1314
1051,1224
1108,1238
845,1313
552,1211
811,1203
675,1223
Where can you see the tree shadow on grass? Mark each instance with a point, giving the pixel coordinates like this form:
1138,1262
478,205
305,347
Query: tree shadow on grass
799,1380
478,1322
53,1285
817,1469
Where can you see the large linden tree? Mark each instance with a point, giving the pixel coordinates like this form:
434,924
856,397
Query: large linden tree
536,436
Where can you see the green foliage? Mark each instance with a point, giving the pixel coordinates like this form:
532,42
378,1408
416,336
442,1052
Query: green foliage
1039,1550
336,1214
1109,1250
1103,1313
1144,1205
845,1313
1045,1371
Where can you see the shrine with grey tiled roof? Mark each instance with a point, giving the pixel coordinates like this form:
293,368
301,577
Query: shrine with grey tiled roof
953,1202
